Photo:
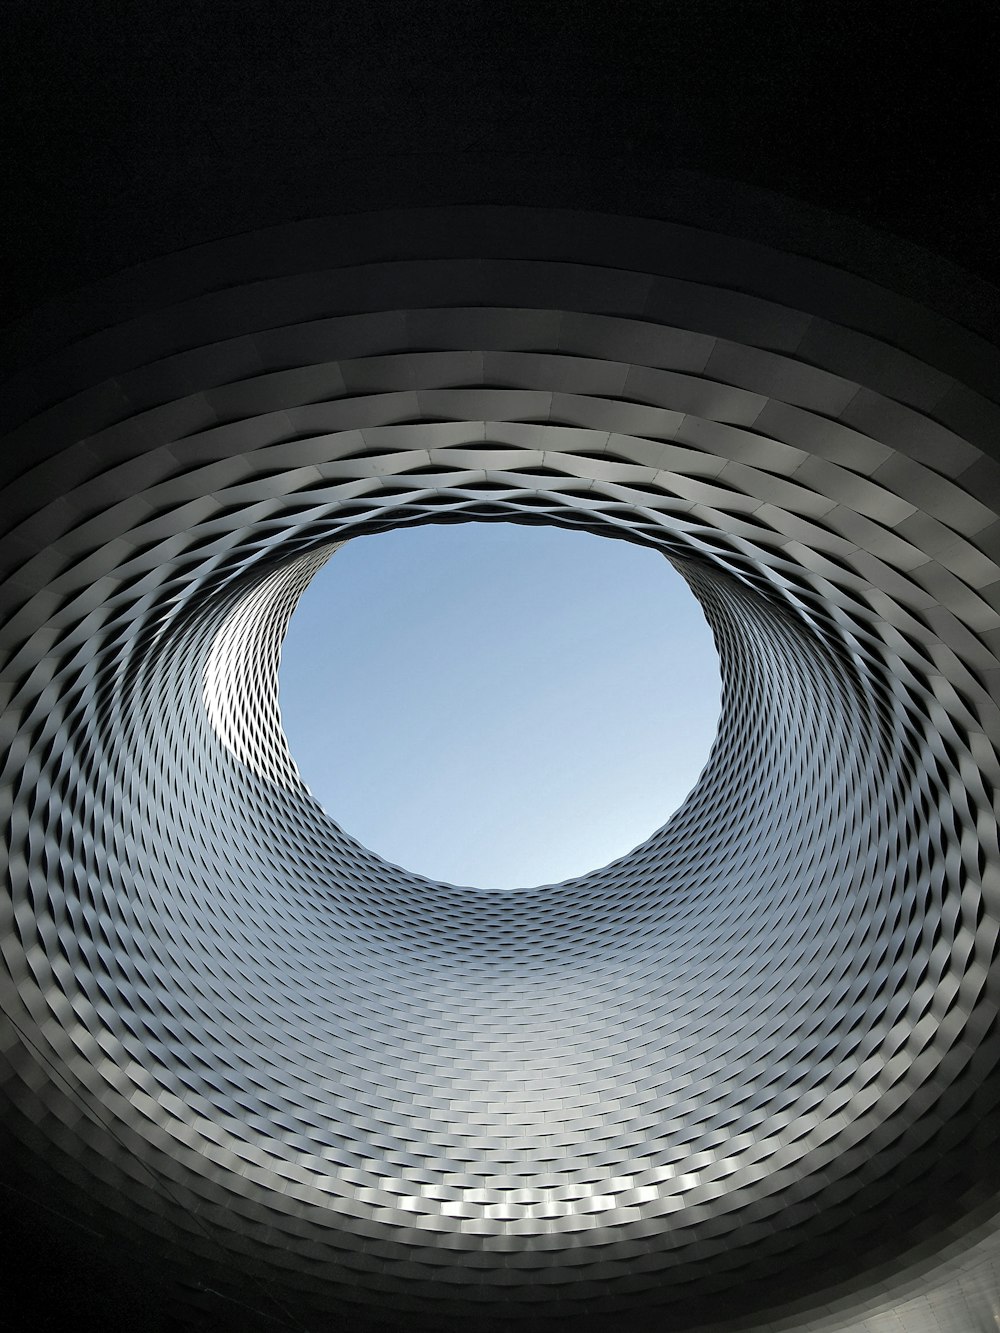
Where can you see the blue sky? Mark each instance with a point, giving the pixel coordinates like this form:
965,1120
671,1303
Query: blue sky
499,705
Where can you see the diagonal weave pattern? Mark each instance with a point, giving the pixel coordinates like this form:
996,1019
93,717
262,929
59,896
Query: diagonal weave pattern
698,1081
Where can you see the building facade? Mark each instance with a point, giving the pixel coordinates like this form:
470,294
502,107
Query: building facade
743,1077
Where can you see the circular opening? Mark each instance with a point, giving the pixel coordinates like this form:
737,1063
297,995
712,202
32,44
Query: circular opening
495,705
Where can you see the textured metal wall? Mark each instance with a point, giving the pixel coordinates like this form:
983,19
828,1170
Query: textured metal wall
746,1074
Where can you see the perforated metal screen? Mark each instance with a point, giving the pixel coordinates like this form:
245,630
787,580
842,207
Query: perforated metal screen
745,1075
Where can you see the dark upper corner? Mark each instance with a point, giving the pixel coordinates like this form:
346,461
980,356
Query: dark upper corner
135,131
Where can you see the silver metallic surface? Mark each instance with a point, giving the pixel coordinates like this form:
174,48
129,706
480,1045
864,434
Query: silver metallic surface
744,1076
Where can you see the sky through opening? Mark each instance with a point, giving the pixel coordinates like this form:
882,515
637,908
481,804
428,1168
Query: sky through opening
499,705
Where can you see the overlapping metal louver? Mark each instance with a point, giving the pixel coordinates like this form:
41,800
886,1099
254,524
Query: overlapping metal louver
746,1073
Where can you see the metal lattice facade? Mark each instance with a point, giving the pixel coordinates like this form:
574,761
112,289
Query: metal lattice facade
745,1075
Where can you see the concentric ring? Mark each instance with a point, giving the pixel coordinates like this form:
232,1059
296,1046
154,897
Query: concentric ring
695,1085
